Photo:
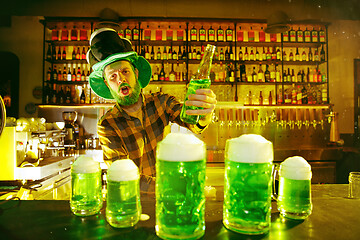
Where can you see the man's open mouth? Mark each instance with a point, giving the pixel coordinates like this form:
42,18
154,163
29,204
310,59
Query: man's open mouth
124,90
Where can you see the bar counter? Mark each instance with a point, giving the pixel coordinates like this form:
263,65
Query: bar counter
334,216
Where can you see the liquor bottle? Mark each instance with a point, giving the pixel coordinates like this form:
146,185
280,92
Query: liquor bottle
58,55
201,79
297,55
82,96
147,33
299,35
121,35
83,75
128,33
194,55
55,34
273,54
261,99
156,74
73,75
152,53
172,76
272,73
220,34
202,34
61,96
78,53
285,36
254,76
74,34
322,54
158,54
314,36
270,98
261,35
322,36
260,74
59,75
73,54
184,54
316,55
299,76
304,96
251,35
277,73
310,55
54,95
227,55
229,34
78,74
268,54
180,34
307,35
251,55
291,56
63,55
240,35
246,55
64,34
292,34
164,54
83,34
211,34
303,55
243,73
257,55
162,73
279,97
263,55
222,57
267,74
48,74
273,37
54,74
293,79
68,95
174,55
69,75
231,53
241,55
288,76
169,34
135,34
298,95
278,54
293,94
147,54
284,56
83,54
193,34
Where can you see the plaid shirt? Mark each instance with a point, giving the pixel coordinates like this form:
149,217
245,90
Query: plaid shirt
123,136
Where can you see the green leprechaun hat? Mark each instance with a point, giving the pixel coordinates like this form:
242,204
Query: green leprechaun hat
107,47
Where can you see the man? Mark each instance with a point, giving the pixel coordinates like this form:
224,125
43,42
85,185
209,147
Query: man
134,126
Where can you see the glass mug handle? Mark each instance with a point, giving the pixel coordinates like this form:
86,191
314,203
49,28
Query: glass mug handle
276,169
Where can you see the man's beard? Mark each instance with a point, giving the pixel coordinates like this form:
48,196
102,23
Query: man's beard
130,99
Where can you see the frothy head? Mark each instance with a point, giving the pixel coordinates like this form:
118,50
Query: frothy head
181,147
123,170
296,168
85,164
249,148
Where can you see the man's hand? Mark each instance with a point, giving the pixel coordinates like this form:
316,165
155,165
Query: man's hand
206,99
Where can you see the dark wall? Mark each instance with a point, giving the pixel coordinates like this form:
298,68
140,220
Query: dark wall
296,9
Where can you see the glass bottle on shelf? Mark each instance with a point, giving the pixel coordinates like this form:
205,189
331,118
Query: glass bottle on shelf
83,34
260,74
64,34
55,34
63,55
322,36
267,74
128,33
169,34
299,35
229,34
202,34
211,34
307,35
193,34
310,55
251,35
292,34
74,34
135,34
314,35
240,35
322,54
220,34
285,36
180,34
147,33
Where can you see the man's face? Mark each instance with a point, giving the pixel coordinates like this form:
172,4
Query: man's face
121,78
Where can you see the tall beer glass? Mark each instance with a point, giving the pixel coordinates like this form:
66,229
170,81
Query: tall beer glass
247,186
180,182
86,197
123,208
294,200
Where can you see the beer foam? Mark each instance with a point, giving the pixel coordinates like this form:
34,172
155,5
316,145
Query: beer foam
181,147
123,170
85,164
249,148
296,168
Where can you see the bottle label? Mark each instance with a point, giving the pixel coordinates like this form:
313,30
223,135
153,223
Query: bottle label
202,35
193,34
128,34
307,36
220,35
300,36
314,36
286,36
322,36
135,34
229,35
211,35
292,36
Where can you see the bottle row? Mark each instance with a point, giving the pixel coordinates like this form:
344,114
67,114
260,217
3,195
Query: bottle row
244,33
66,53
73,34
70,73
227,53
294,95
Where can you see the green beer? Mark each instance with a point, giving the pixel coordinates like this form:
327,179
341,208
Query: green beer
193,86
294,200
180,182
86,197
247,186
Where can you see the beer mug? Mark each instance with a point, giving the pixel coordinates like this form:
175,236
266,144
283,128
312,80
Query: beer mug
180,183
86,183
247,185
123,208
294,198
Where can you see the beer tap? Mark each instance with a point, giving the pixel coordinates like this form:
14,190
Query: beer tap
307,117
